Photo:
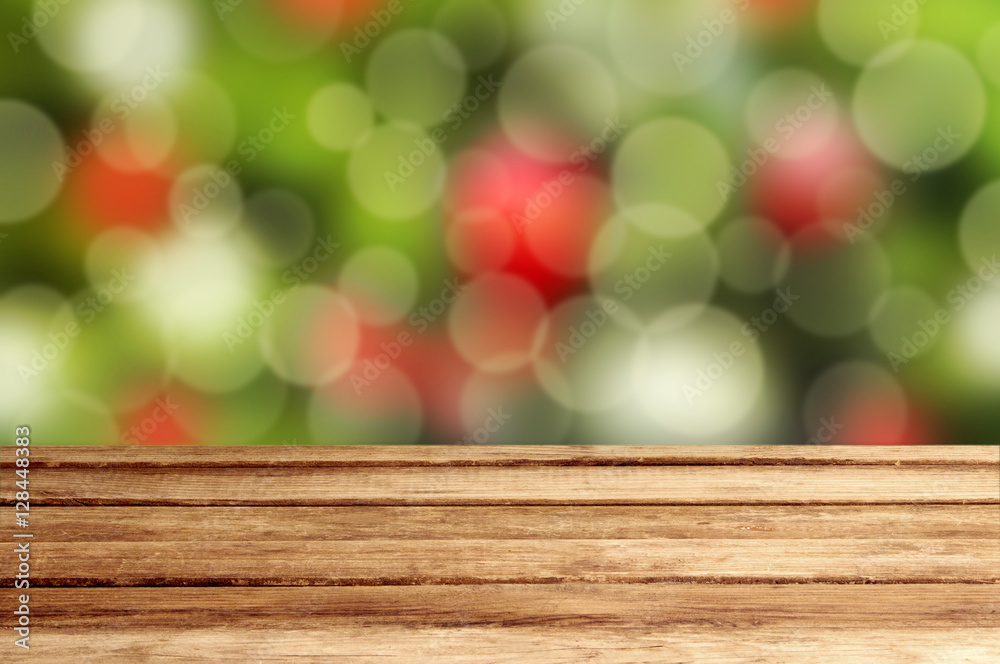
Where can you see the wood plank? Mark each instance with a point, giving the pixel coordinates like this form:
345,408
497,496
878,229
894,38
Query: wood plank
430,562
518,645
186,524
431,455
563,624
555,555
515,485
563,605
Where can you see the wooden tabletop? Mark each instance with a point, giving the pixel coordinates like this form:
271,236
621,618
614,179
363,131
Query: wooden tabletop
504,555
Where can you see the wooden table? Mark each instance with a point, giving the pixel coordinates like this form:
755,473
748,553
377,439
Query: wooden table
517,554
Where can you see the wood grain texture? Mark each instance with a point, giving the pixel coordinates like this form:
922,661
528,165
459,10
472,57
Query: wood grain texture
711,644
510,555
291,524
500,623
516,485
556,605
429,562
513,455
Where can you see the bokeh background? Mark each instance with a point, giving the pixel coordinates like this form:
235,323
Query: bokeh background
500,221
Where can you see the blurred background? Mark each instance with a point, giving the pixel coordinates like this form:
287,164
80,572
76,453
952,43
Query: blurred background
500,221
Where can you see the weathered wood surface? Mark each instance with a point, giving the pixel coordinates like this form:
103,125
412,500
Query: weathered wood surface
515,485
292,524
513,644
556,605
566,623
513,455
402,562
503,555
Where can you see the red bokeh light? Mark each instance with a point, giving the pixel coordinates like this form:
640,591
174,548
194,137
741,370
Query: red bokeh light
796,193
553,209
154,423
328,13
107,196
866,423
